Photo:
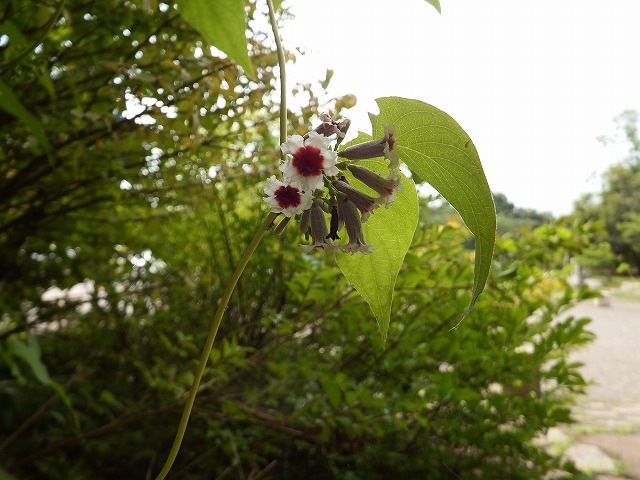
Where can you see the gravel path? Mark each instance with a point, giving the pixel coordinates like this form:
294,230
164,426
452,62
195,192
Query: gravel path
609,416
612,361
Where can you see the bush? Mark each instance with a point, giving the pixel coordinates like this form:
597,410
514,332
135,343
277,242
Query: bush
299,385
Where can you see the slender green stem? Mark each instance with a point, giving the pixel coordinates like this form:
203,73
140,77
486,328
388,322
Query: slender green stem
224,301
283,75
208,345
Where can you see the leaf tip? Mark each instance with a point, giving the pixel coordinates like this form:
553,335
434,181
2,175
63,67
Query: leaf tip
467,311
435,4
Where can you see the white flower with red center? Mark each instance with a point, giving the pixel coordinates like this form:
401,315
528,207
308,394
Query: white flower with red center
310,159
286,198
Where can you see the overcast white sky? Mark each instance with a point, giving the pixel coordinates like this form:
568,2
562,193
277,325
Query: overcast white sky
533,83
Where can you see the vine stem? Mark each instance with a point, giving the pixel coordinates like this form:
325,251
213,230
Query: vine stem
224,301
208,345
283,75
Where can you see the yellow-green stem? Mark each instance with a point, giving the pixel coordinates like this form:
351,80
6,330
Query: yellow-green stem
283,75
208,345
224,301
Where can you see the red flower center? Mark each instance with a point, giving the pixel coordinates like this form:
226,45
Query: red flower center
308,161
391,142
287,196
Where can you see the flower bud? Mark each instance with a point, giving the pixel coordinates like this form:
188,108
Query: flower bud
363,202
334,223
305,221
281,226
318,231
353,225
385,187
383,147
330,127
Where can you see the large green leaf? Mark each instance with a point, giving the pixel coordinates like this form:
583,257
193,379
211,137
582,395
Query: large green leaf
222,23
433,145
10,103
390,231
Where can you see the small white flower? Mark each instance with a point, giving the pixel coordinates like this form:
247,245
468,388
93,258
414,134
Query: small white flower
310,159
285,198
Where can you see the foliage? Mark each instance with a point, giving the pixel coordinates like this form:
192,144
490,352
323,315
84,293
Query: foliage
221,23
136,113
299,385
120,231
435,148
510,219
618,204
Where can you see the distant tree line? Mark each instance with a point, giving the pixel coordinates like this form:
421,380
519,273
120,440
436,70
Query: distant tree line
617,207
511,219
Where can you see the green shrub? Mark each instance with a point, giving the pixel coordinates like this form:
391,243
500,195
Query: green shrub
299,385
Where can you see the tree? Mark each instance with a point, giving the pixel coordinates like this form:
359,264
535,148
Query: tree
618,204
134,114
511,219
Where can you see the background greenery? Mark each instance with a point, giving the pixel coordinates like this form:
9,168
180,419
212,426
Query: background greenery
150,209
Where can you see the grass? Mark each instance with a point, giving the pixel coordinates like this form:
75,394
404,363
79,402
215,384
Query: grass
615,281
625,295
584,429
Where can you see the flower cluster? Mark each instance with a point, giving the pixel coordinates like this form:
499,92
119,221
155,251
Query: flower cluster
313,184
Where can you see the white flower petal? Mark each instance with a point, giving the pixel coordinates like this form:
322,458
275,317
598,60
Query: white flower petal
309,184
329,164
293,143
318,141
272,185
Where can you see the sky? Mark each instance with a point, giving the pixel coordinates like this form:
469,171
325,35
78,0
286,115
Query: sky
533,83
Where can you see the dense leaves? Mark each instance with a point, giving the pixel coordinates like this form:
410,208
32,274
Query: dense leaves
117,243
299,382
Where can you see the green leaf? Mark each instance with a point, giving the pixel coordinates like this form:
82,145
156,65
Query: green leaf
277,3
436,5
11,104
390,231
332,390
222,23
433,145
29,351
